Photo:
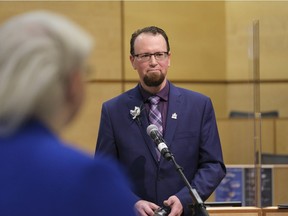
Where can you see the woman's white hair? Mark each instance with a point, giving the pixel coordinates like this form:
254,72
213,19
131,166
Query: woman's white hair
38,52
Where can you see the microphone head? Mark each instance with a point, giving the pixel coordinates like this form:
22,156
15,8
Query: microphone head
151,128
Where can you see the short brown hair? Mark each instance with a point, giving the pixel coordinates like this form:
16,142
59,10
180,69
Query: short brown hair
150,29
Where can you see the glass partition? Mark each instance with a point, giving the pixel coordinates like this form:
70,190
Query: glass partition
258,112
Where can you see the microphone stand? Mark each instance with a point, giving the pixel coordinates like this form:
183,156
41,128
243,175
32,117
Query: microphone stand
198,208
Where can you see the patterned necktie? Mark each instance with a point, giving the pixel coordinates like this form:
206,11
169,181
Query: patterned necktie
155,117
154,114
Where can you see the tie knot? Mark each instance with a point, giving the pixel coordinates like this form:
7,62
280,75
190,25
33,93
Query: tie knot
154,99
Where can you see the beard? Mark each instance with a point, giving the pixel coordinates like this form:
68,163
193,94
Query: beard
153,80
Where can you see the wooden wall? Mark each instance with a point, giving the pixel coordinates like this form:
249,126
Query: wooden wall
210,54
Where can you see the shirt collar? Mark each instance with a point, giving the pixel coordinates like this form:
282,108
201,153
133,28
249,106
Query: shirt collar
163,94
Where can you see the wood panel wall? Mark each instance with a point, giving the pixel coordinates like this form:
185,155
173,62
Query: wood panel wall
209,45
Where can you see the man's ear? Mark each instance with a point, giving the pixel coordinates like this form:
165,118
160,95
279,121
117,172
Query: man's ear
132,58
169,56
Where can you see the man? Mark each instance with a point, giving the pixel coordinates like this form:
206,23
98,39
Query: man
42,56
185,118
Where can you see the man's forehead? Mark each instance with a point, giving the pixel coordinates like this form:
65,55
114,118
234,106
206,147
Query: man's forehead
145,35
149,39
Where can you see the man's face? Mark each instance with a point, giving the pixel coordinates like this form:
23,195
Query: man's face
151,72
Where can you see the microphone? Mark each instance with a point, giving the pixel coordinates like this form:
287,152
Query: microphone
152,131
198,207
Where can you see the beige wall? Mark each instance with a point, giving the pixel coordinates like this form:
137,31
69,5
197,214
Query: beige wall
209,44
103,20
273,21
273,24
196,32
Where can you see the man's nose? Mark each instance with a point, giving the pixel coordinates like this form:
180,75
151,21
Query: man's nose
153,59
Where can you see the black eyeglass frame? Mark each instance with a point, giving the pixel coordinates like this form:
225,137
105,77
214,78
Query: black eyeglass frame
149,55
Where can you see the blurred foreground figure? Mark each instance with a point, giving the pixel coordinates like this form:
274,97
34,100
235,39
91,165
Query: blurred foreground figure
42,59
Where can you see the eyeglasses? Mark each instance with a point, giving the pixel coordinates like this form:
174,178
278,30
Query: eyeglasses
159,56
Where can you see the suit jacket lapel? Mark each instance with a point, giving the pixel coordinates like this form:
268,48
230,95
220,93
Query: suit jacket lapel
135,99
174,112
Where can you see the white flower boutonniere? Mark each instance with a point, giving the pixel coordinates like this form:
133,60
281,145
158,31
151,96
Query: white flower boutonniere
136,112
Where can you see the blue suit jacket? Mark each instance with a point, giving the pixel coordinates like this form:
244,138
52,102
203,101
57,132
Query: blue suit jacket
191,135
41,177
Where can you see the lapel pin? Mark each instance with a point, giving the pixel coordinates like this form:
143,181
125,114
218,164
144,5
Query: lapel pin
174,116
